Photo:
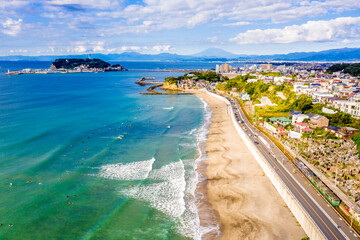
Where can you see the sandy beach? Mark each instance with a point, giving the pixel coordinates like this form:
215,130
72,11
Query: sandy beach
248,205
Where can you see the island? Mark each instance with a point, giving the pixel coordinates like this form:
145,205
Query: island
73,65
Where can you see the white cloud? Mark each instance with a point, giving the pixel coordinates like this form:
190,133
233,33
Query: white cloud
161,48
237,24
130,48
6,4
312,31
155,48
212,39
98,4
80,49
347,41
157,15
98,47
18,51
11,27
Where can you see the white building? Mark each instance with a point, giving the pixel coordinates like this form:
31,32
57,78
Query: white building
299,118
320,96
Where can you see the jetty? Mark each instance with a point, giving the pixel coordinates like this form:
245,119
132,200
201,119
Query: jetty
155,84
142,81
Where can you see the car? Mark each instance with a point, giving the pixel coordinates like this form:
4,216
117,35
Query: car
256,143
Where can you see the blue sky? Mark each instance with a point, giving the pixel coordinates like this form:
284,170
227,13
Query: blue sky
51,27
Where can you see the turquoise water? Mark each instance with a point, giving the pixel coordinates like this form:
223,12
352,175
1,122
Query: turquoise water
85,156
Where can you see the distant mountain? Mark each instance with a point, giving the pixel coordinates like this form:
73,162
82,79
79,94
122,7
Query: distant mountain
211,54
215,53
342,54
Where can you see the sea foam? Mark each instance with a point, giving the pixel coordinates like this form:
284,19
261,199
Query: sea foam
130,171
166,196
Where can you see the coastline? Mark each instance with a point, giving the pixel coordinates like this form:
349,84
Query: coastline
246,203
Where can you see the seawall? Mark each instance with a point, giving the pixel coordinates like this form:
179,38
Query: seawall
300,214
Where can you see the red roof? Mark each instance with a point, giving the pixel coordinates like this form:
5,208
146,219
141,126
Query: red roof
280,128
302,124
307,130
282,133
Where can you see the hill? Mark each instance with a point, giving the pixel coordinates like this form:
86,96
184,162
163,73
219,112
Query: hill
72,63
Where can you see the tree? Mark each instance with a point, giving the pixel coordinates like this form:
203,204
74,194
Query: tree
303,103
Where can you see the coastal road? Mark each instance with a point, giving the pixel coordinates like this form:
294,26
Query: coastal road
325,217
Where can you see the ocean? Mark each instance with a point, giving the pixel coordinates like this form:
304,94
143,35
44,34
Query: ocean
85,156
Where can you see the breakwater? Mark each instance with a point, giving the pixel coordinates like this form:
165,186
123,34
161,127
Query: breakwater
151,90
142,81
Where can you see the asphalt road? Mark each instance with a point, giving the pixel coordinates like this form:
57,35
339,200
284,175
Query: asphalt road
319,209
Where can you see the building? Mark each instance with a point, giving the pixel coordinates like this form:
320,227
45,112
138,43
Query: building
348,131
321,97
273,120
217,68
283,121
299,118
292,113
318,121
334,130
299,126
245,97
266,67
225,68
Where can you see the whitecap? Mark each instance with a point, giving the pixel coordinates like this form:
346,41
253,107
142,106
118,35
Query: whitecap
130,171
166,196
192,131
168,108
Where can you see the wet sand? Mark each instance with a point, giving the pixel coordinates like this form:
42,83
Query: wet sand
248,205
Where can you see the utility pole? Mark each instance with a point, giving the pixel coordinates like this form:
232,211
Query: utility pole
336,178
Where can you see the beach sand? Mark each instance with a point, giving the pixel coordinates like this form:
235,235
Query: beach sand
248,205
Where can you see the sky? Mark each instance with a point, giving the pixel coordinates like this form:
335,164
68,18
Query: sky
63,27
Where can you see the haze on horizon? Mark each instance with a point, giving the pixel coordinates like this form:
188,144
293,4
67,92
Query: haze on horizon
59,27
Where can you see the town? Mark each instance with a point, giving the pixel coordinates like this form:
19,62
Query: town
310,110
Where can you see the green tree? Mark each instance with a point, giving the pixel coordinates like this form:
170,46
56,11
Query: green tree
302,103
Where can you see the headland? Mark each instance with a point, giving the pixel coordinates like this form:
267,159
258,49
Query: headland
73,65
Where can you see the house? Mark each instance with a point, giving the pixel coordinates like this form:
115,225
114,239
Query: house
280,129
270,127
307,130
283,121
319,121
273,120
348,131
331,100
299,126
292,113
332,129
299,118
321,97
245,97
282,134
345,94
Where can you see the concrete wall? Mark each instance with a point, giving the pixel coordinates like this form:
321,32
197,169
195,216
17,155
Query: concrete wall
301,215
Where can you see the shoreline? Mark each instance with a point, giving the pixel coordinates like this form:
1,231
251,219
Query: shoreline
246,203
